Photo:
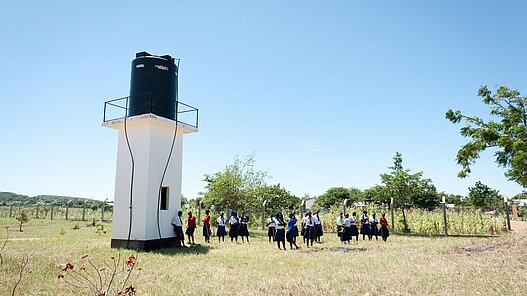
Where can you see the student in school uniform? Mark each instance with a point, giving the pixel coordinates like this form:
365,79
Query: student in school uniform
346,232
309,230
243,229
318,226
354,231
271,228
303,231
234,223
340,221
206,226
292,231
365,225
191,227
178,229
384,228
373,227
221,228
280,230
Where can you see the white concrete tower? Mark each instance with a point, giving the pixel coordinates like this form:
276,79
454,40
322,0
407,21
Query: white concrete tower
149,154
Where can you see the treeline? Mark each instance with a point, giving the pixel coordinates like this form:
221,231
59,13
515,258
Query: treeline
10,197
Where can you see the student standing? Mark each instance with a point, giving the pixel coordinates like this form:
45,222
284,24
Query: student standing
280,230
243,228
234,223
303,231
292,231
340,220
353,226
373,227
365,226
271,228
346,232
191,227
178,229
206,226
221,227
318,226
309,230
384,228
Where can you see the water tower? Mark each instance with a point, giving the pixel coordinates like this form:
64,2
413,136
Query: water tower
151,123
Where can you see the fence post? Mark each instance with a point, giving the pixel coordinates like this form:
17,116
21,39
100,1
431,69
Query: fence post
84,210
102,210
507,213
52,207
391,210
443,201
68,208
38,205
11,210
263,214
345,203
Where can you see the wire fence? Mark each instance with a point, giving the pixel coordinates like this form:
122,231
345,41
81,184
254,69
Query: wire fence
57,212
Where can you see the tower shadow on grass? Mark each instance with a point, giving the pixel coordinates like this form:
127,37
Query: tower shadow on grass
194,249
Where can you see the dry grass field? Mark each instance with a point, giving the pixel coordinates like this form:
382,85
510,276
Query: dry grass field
402,266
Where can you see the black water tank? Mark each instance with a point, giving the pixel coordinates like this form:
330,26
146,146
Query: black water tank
153,85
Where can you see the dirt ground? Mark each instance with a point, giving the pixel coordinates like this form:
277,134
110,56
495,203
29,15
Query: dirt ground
519,225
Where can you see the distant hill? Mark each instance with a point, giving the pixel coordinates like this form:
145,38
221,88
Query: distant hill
9,197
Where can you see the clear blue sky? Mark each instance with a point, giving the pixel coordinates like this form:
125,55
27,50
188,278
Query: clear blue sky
323,92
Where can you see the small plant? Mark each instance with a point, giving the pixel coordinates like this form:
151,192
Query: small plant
22,218
76,226
3,245
99,228
62,231
111,279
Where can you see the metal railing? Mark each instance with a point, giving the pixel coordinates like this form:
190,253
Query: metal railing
119,108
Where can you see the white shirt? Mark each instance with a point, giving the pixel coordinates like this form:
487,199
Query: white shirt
339,219
278,226
353,221
233,220
310,221
374,220
177,221
317,220
271,223
364,217
347,222
221,221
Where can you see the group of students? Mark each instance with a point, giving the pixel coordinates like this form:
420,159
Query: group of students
347,227
311,229
237,227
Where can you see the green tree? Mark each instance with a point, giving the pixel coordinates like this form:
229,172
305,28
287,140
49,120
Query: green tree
407,188
22,218
236,187
483,197
335,196
507,134
277,198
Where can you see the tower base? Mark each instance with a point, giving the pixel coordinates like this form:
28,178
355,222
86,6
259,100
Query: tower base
145,245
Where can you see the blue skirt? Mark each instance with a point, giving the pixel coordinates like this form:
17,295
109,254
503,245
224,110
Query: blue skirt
206,231
243,230
233,230
385,232
373,229
279,235
365,229
221,230
310,232
271,231
354,230
291,234
179,232
346,234
318,228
